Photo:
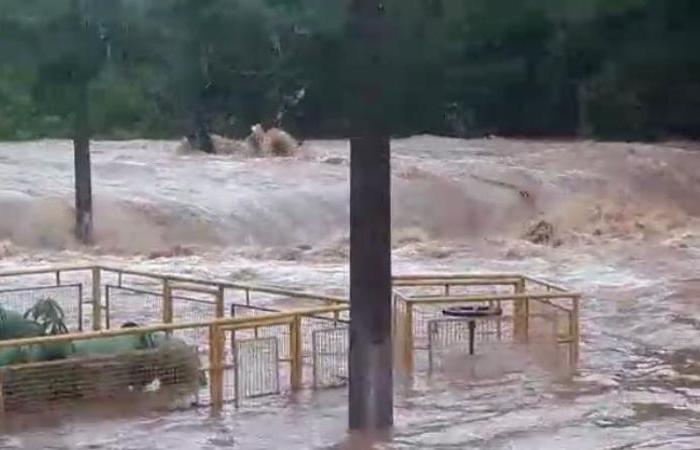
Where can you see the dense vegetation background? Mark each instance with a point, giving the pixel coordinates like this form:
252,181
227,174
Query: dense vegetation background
614,69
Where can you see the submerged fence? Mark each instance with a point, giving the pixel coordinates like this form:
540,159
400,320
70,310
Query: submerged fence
330,349
209,343
122,364
531,314
68,296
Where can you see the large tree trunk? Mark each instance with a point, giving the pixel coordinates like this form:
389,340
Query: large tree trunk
199,138
83,178
370,359
371,390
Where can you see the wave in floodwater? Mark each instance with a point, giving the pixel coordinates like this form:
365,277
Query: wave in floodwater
624,220
151,197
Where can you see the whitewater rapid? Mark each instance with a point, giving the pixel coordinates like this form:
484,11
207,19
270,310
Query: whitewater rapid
625,218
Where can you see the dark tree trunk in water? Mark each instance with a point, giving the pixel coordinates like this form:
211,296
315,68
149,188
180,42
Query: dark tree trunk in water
83,178
371,384
370,359
200,139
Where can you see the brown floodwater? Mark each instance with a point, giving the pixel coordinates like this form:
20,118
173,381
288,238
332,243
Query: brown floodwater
625,219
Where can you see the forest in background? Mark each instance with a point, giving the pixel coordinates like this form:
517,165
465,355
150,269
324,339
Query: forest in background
622,69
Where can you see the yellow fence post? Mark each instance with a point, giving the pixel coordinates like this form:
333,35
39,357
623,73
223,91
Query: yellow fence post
397,339
220,302
2,396
296,353
575,332
96,299
408,338
394,317
216,379
520,313
167,302
336,314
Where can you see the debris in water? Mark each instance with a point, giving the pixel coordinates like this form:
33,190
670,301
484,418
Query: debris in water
272,142
261,142
7,249
178,250
244,274
280,143
334,160
542,233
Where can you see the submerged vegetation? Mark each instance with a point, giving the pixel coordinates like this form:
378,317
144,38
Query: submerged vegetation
174,68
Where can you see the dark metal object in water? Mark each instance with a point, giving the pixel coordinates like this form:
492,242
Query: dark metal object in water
473,312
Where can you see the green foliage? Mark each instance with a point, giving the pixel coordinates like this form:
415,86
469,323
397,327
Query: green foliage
164,68
49,315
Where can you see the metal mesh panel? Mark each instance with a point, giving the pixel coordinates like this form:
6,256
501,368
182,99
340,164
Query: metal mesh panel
425,313
168,376
68,297
453,335
200,347
240,310
450,332
308,325
146,308
549,323
186,309
132,305
330,357
280,332
257,367
548,320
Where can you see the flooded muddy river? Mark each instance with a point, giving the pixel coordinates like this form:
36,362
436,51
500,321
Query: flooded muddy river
626,235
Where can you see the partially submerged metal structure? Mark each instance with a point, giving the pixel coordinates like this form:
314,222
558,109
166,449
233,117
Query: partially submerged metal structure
532,312
251,341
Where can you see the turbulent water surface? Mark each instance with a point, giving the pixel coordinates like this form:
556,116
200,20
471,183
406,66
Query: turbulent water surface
626,235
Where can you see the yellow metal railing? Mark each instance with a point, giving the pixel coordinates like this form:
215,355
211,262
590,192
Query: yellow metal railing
527,303
216,354
166,284
513,294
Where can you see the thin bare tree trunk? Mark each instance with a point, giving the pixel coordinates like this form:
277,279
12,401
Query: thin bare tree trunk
83,177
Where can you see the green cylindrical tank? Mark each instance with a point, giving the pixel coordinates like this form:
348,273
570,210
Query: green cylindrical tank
14,326
61,350
35,353
51,352
9,356
111,345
